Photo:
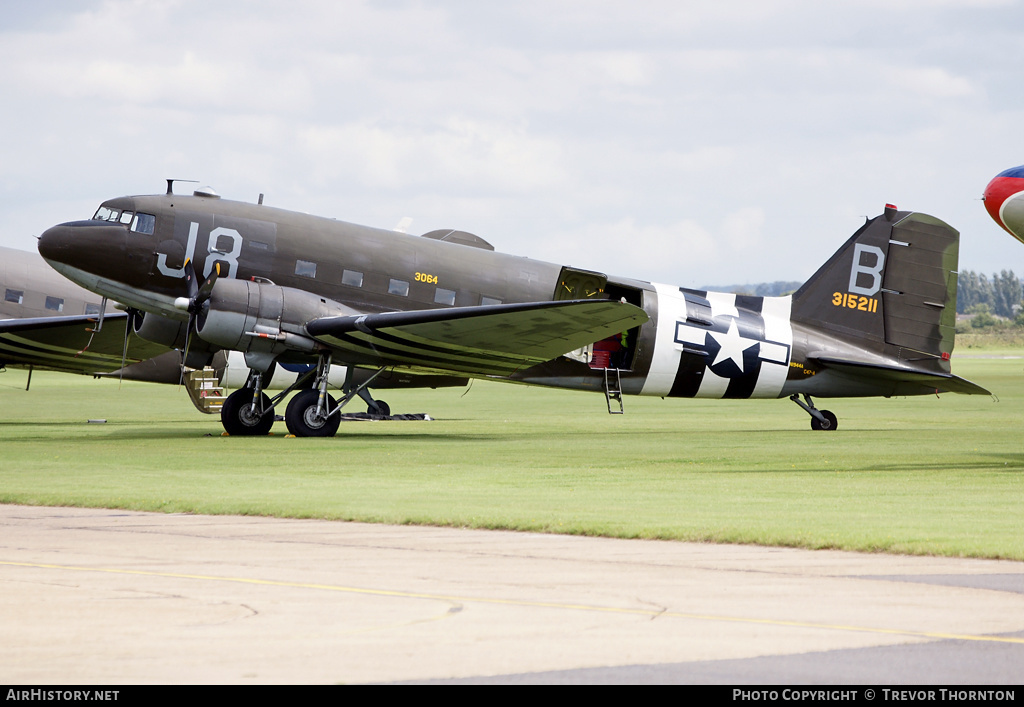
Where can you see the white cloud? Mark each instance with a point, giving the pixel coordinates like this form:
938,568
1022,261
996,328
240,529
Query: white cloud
478,155
686,252
720,142
933,82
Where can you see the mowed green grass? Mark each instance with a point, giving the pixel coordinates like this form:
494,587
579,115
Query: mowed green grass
915,475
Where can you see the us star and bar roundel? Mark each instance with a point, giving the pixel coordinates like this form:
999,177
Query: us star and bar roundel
720,345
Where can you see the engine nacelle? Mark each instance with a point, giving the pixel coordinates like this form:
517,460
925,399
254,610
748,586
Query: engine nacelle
170,333
160,330
261,319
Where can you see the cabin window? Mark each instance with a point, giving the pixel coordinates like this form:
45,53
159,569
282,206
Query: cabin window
91,309
16,296
144,223
305,268
398,287
443,296
352,278
488,301
55,304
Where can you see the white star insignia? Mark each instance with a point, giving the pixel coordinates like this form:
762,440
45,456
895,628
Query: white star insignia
732,345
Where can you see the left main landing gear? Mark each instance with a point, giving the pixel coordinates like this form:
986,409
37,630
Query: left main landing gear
307,417
820,419
314,413
310,413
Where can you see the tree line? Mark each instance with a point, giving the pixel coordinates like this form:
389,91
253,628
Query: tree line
999,294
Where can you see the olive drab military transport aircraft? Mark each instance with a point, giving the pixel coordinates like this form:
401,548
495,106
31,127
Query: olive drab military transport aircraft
1004,201
286,288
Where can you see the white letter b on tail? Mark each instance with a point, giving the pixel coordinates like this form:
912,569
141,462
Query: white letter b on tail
875,271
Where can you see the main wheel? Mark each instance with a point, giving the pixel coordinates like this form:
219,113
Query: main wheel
241,420
304,421
830,422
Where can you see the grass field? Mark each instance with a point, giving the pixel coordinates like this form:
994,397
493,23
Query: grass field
917,475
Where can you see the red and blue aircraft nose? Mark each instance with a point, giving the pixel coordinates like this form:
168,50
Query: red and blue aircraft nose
1004,200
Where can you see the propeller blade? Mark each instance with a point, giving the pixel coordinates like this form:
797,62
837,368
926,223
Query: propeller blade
190,280
207,289
197,297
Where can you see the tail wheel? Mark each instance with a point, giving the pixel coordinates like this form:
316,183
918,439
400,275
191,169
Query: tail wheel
241,419
830,422
302,417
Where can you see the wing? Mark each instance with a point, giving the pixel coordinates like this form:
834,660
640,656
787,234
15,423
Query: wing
65,344
904,381
487,340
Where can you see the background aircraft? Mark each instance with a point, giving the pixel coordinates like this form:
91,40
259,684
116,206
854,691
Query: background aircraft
1004,200
48,322
288,288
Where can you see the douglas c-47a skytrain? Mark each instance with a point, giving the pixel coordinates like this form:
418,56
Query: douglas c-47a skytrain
877,319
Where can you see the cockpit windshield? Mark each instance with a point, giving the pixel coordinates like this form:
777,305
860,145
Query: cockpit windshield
105,213
140,222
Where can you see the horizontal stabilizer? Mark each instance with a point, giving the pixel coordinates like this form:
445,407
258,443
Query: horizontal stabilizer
904,381
487,340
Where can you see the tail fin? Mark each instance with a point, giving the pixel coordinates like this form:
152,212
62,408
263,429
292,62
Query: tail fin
892,287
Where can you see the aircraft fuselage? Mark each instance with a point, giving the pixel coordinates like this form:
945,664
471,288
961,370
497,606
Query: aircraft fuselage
695,344
376,270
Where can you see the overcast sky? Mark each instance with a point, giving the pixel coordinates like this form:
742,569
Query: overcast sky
690,143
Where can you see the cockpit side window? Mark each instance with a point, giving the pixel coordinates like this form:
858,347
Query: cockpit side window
126,217
144,223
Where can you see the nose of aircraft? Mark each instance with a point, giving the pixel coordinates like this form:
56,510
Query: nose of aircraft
83,245
1004,201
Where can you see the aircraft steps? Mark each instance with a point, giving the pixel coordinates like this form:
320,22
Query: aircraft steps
613,390
204,390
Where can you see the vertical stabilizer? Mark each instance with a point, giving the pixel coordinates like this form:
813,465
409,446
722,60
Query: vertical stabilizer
891,287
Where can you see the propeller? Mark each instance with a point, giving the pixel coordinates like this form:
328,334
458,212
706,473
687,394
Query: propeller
194,304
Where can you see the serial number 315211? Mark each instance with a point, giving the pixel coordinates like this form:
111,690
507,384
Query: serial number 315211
859,302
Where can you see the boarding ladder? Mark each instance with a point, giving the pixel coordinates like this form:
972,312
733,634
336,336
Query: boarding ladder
613,390
205,390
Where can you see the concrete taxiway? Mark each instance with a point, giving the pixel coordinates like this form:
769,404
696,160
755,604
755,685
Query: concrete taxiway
116,597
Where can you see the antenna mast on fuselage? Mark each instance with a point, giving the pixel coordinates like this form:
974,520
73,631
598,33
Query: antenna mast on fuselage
170,184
